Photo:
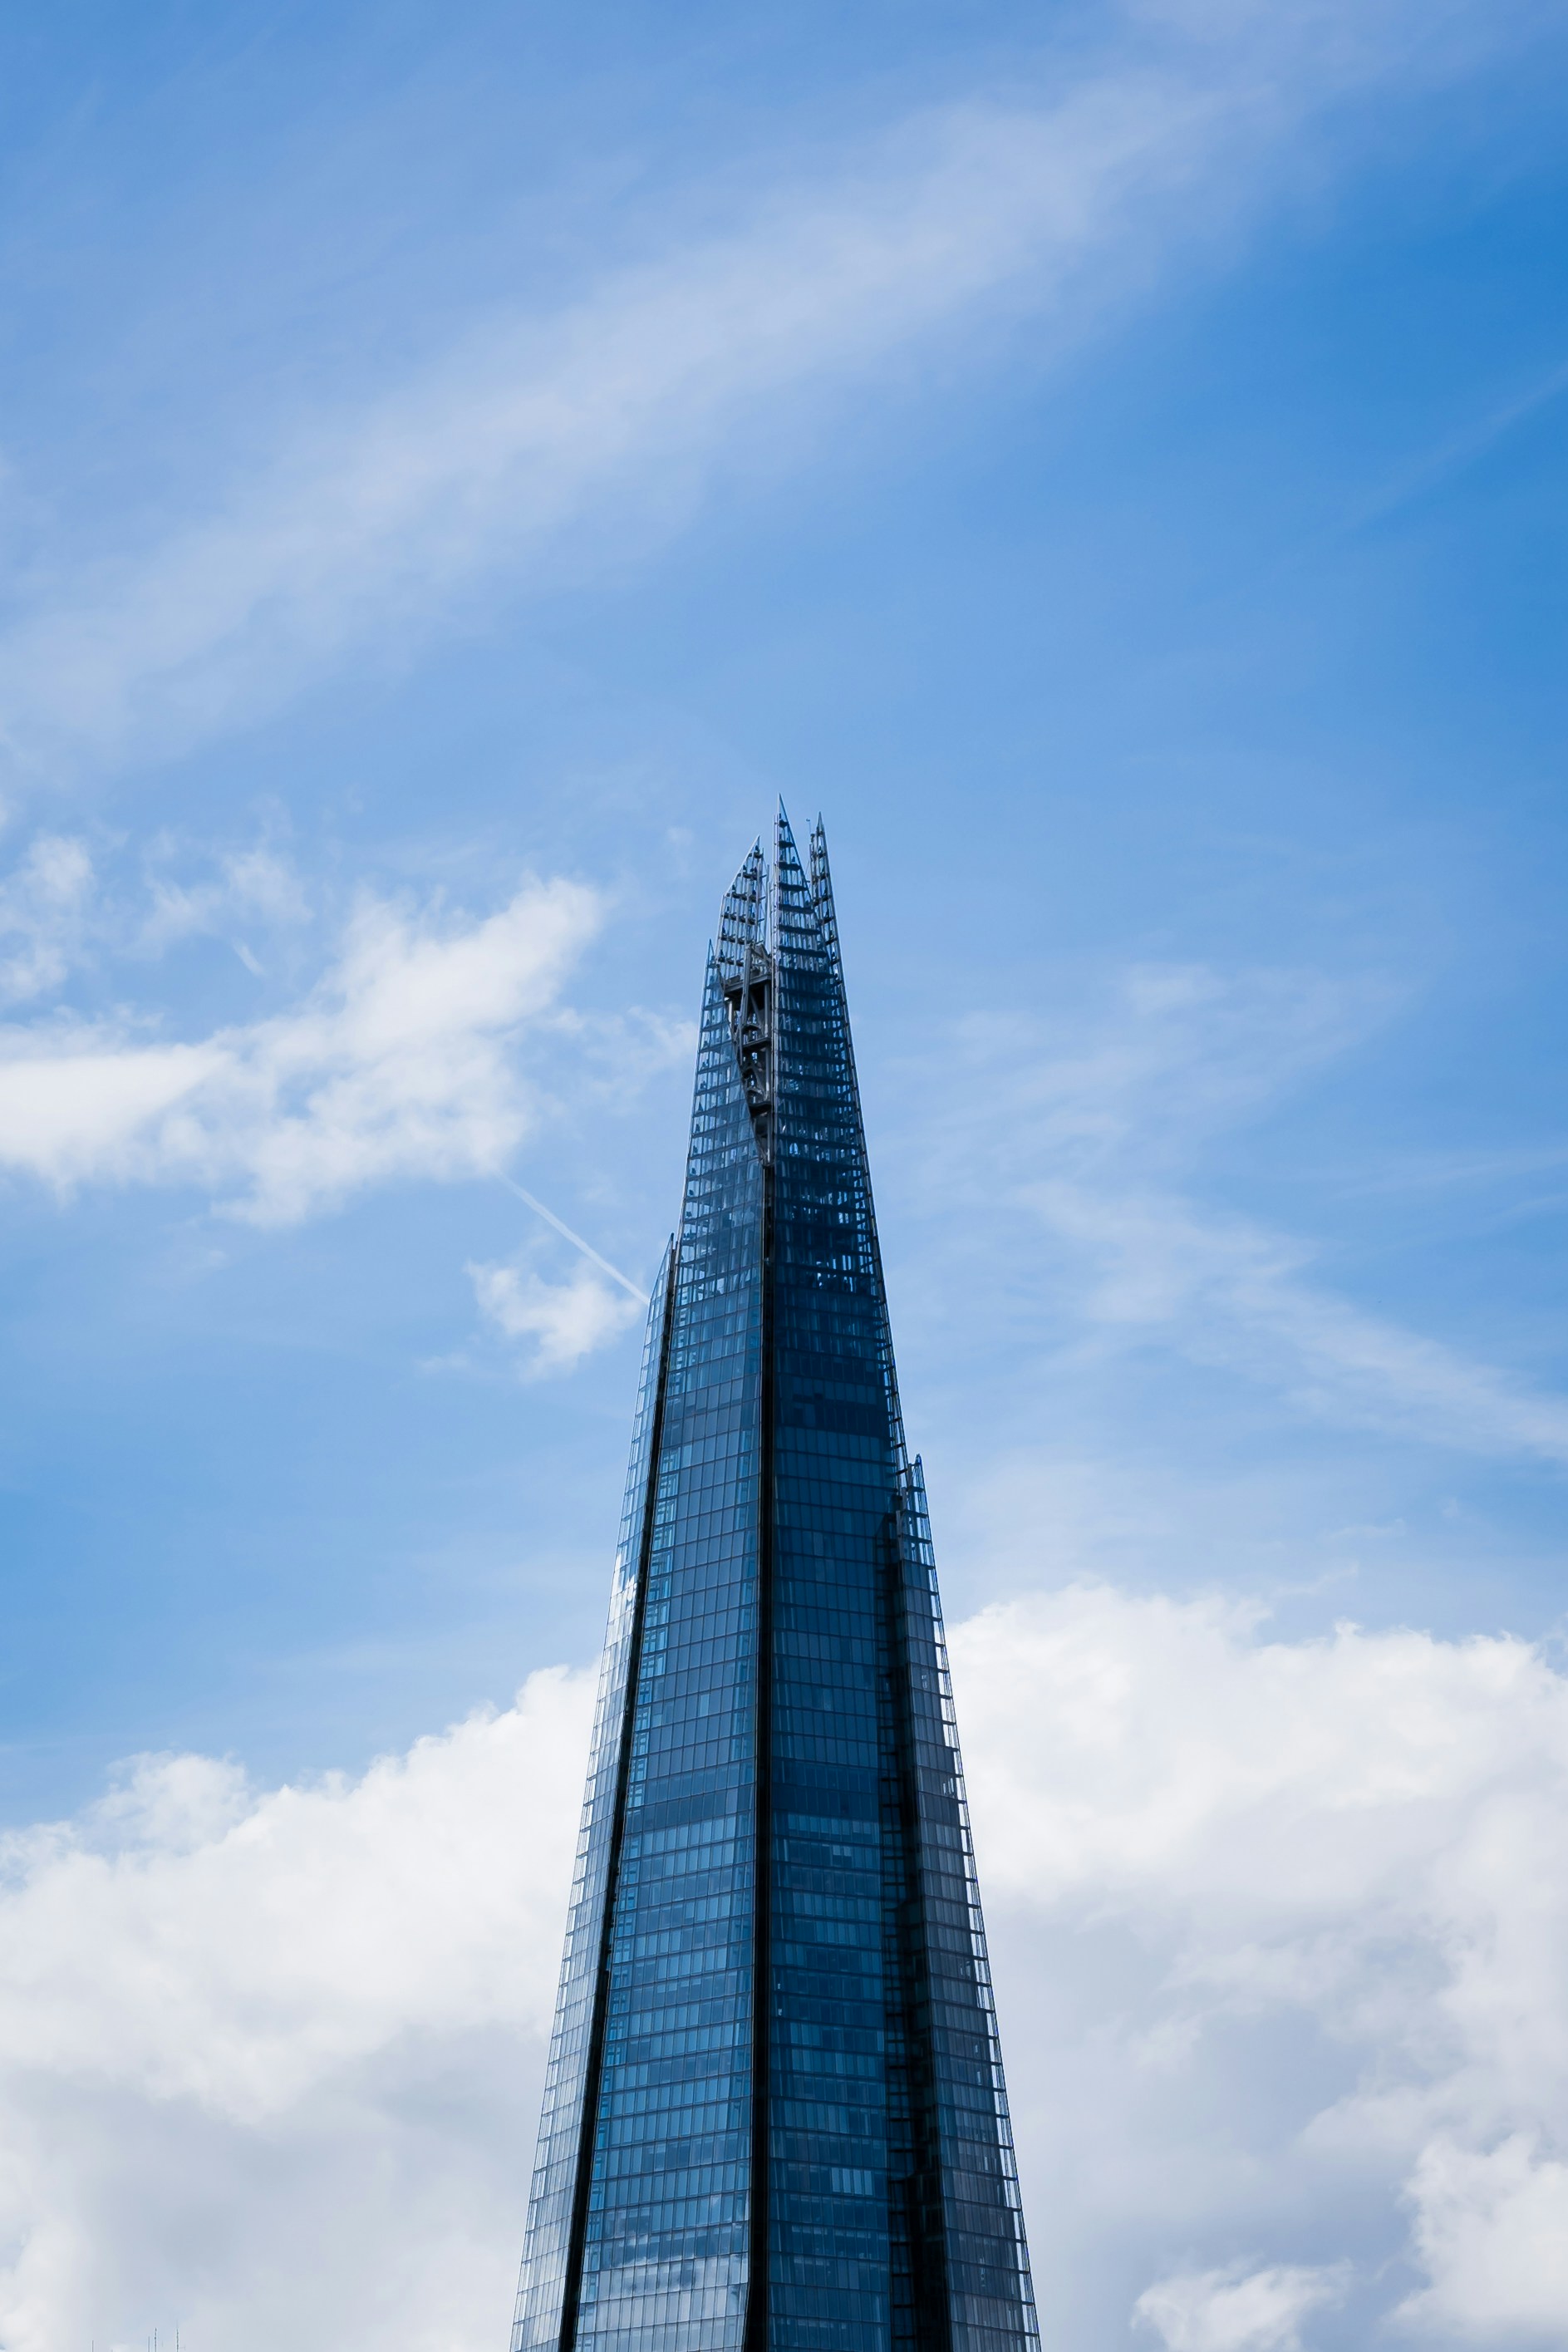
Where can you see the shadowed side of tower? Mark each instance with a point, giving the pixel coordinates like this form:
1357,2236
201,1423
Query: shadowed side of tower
774,2115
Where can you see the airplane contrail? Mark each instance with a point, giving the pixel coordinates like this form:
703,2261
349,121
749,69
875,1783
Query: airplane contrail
576,1239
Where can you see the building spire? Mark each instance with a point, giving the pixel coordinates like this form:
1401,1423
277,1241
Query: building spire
775,1827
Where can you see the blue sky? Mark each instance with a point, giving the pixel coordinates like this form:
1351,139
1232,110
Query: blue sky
458,469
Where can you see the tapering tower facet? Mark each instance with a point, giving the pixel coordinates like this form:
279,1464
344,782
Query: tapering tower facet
774,2117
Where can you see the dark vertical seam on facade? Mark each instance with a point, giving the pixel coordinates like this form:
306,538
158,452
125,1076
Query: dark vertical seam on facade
594,2073
761,1956
902,2221
928,2250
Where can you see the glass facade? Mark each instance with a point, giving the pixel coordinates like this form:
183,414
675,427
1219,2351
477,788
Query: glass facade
774,2118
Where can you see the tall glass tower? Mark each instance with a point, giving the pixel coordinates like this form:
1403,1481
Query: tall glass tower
774,2119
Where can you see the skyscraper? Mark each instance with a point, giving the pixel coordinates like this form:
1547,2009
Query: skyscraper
774,2118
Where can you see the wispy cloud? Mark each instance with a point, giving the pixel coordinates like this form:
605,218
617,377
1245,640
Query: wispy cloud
1461,450
402,1061
65,909
250,886
1231,1292
1102,1138
44,908
606,417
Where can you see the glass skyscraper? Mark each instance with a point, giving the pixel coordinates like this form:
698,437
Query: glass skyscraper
774,2118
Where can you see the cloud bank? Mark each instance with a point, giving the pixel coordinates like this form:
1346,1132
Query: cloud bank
271,2061
1280,1931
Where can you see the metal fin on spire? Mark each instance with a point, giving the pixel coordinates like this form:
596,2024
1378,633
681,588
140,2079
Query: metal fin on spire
794,911
822,889
742,921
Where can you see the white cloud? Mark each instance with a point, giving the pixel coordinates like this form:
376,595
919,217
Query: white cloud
1235,2310
565,1321
1281,1934
269,2063
611,412
401,1062
1493,2226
